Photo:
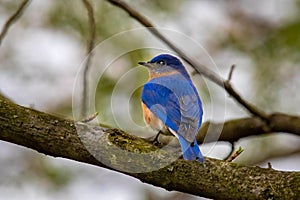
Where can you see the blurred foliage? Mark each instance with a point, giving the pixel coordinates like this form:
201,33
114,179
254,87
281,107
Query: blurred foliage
26,166
71,17
274,51
55,177
8,6
272,47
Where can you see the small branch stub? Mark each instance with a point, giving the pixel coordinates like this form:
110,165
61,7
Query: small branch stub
231,72
90,118
235,155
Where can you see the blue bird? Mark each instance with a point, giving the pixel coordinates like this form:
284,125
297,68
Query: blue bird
170,103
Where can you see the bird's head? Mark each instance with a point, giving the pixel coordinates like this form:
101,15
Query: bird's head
164,63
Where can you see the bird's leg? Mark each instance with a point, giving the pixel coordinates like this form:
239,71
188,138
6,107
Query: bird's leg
154,139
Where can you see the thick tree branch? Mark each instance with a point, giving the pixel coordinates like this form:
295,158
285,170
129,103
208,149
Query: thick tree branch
217,179
12,19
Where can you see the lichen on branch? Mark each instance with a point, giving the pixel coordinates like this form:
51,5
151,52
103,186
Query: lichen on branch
216,179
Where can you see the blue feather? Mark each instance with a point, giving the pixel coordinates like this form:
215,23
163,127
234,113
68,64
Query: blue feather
190,151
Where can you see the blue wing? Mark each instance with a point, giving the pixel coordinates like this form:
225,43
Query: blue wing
163,103
175,101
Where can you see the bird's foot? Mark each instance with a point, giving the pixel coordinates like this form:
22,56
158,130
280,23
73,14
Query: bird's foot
154,139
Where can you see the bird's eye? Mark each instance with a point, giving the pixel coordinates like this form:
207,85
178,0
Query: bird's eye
161,62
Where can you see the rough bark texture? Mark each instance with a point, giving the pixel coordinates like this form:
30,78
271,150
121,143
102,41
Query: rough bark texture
216,179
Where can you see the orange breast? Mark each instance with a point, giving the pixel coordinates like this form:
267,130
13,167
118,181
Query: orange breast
151,119
146,113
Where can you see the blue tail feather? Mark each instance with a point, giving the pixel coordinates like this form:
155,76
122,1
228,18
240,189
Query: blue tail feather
190,151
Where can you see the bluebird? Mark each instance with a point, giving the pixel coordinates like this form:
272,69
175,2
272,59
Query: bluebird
170,103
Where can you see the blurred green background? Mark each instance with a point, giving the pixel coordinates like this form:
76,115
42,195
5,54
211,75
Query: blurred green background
42,56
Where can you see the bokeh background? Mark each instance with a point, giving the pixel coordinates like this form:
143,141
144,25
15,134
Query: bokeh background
44,51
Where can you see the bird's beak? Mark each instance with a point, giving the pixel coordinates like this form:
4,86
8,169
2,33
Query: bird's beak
146,64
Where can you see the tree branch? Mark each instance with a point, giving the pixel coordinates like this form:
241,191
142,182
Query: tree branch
196,65
217,179
12,19
233,130
90,47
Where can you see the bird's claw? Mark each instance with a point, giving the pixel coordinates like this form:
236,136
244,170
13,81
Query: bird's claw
154,139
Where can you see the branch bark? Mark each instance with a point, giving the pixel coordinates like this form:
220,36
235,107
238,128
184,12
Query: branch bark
216,179
233,130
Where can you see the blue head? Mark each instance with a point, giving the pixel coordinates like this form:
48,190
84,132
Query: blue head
164,63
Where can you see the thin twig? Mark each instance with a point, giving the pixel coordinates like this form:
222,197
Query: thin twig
235,155
231,72
13,18
197,66
90,47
